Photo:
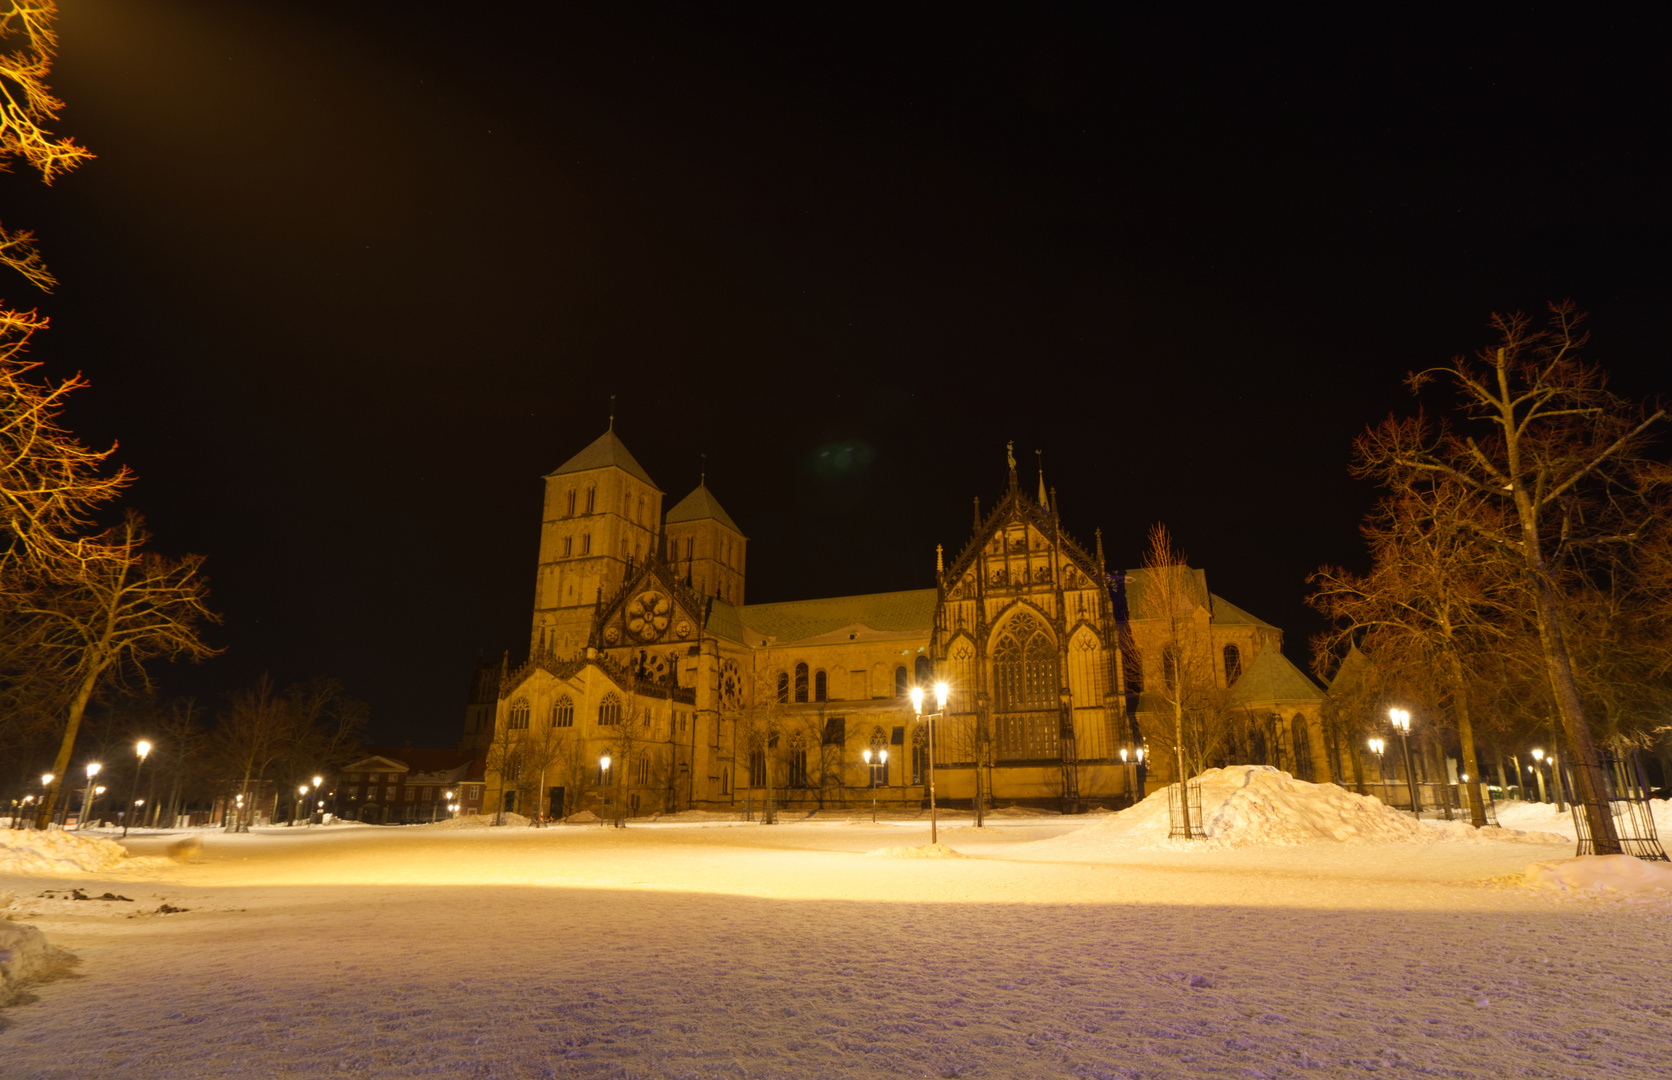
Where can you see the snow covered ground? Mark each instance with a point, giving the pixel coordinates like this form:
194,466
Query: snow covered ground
717,948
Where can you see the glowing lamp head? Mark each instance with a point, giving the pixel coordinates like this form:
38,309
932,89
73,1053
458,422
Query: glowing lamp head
604,762
99,790
1401,719
1140,754
317,780
46,779
866,754
917,699
303,790
143,748
1123,753
1538,755
941,692
92,769
882,756
1465,777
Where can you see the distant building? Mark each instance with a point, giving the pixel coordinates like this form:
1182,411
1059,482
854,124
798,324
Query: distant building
642,650
410,785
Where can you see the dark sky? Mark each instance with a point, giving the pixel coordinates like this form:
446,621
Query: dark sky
350,277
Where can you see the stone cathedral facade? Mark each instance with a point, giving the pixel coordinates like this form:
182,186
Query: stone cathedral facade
644,651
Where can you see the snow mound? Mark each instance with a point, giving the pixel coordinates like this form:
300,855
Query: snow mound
1463,831
1601,874
681,815
477,821
583,817
922,851
29,851
26,956
1544,817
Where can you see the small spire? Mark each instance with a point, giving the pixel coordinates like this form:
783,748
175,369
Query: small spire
1040,455
978,511
702,474
940,567
1099,532
1010,458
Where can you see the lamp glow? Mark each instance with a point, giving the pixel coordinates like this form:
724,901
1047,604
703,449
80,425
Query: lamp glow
941,692
917,698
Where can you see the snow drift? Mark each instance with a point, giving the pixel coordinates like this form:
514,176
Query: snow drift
1245,805
1601,874
29,851
26,956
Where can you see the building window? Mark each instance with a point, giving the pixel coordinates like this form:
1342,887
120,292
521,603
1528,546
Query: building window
569,508
801,682
725,781
836,731
411,794
783,688
429,794
1233,664
388,794
1302,747
568,546
1024,667
925,672
757,767
609,711
797,761
879,743
689,542
591,495
820,686
519,716
563,712
586,544
900,680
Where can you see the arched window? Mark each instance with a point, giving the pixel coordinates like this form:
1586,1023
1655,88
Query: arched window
783,687
757,767
563,712
586,544
569,506
820,686
609,711
591,497
879,744
725,781
801,682
925,673
519,716
1233,664
796,759
901,678
1302,747
1024,667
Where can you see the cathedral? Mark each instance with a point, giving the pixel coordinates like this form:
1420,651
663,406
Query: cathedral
652,685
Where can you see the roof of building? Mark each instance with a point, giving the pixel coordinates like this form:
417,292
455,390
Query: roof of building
1351,675
606,450
911,611
1141,605
1226,613
1271,678
723,621
419,758
701,505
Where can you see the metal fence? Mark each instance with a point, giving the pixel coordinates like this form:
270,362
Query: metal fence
1626,792
1184,811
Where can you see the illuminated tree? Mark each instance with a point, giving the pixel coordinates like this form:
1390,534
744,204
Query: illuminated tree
1559,471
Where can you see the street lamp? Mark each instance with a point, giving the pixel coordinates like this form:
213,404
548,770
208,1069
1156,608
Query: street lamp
1378,747
317,800
87,803
882,759
1402,724
144,748
1538,760
604,779
941,690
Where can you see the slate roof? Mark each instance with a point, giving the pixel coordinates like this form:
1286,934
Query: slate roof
1351,675
1226,613
701,505
1138,602
723,622
606,450
1271,678
912,611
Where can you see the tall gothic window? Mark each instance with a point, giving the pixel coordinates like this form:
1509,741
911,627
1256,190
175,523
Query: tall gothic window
783,687
1233,664
609,710
1302,747
569,509
519,716
925,672
797,761
1024,667
901,678
801,682
757,767
563,712
820,686
591,498
586,544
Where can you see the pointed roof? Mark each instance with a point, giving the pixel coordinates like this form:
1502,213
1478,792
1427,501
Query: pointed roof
1270,679
908,612
1226,613
1352,675
701,505
606,450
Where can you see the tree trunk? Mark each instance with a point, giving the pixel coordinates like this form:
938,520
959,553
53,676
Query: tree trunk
66,746
1466,737
1590,791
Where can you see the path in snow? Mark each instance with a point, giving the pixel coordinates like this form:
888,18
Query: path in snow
745,951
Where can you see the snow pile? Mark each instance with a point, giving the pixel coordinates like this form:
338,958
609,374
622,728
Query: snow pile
25,956
922,851
30,851
478,821
1601,874
583,817
1545,817
1257,804
682,815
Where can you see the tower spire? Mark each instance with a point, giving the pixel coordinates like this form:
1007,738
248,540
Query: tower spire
1043,503
612,412
1010,458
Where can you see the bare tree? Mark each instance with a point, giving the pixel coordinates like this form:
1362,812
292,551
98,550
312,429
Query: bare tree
545,747
504,762
1560,467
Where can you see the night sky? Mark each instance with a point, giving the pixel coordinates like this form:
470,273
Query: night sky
350,277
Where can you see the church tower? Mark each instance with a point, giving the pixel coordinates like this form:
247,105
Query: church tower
706,544
601,514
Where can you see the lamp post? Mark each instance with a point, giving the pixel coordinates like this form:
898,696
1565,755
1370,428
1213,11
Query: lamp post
941,690
1378,747
1402,723
882,759
87,803
1538,760
319,803
143,748
604,779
